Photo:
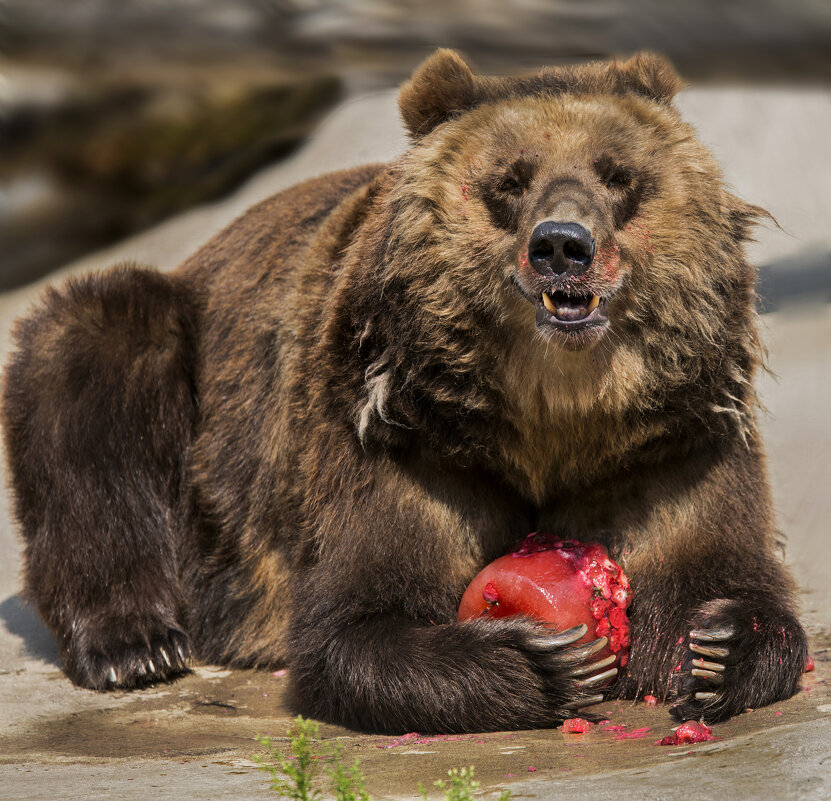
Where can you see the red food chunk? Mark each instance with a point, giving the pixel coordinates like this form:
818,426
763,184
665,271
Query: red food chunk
809,665
561,582
689,732
576,726
650,700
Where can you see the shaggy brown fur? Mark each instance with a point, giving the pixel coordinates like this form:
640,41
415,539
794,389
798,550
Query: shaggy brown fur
301,446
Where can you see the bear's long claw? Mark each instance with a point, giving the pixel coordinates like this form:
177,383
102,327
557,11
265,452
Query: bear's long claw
704,665
713,635
709,675
704,696
591,700
585,651
582,670
111,677
566,637
598,679
715,651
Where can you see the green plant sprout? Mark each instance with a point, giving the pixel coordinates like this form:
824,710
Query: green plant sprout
294,777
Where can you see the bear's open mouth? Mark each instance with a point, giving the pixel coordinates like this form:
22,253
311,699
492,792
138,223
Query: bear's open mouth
571,313
570,308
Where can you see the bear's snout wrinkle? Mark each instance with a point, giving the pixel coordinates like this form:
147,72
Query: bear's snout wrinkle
560,247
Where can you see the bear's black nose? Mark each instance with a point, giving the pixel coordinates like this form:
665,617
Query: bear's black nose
560,247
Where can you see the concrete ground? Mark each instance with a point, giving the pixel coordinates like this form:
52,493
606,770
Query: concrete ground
196,737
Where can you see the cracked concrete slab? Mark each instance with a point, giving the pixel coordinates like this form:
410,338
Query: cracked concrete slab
196,737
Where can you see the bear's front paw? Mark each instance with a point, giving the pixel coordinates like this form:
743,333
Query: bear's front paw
739,654
558,659
124,655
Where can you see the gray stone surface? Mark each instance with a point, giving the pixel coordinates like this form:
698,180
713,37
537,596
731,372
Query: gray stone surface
195,738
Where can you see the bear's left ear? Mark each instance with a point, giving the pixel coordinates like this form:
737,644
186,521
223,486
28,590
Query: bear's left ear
648,74
442,86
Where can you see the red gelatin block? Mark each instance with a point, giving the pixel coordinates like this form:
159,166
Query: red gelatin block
576,726
561,582
689,732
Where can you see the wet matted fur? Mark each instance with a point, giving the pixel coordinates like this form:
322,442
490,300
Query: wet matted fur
298,448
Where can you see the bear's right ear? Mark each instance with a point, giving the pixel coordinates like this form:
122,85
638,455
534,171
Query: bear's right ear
442,86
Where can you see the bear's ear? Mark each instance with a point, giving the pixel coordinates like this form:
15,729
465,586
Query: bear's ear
442,86
650,75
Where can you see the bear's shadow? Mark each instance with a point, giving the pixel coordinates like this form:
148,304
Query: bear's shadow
22,621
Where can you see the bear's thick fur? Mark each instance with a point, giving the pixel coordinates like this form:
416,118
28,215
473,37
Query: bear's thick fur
299,448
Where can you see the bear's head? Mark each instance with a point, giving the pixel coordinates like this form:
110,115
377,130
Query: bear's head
562,242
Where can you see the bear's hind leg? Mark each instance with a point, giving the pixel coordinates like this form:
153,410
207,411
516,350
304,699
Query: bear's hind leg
98,409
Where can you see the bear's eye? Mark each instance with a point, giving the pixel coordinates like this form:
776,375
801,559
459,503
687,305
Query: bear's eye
516,179
618,180
503,191
613,175
510,185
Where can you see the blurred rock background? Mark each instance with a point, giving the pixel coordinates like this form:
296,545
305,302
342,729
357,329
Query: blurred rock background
114,114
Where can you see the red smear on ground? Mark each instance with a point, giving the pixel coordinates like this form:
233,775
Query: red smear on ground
635,734
414,738
619,727
689,732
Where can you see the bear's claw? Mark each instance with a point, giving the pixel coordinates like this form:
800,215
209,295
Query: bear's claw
714,651
598,679
582,670
589,700
709,675
713,635
566,637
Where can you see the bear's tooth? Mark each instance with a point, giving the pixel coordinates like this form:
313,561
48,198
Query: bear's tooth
548,303
595,302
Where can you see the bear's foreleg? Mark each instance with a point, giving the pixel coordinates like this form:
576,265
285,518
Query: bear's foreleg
714,625
98,408
374,640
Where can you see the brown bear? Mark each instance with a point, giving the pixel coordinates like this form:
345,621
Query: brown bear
299,447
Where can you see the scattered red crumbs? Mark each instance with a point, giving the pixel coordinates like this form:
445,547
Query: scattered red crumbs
809,665
680,641
576,726
689,732
650,700
414,738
